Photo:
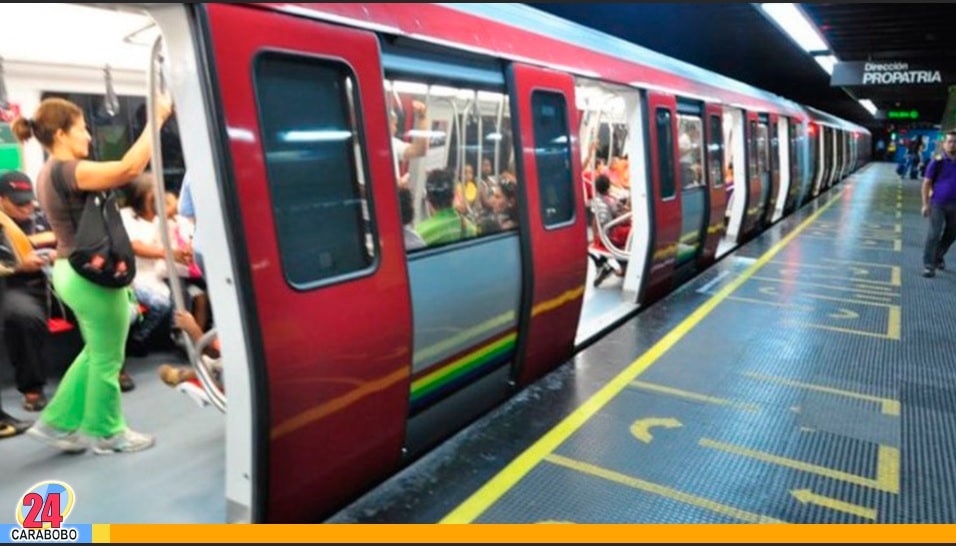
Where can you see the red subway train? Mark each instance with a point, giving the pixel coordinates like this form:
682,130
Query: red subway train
399,212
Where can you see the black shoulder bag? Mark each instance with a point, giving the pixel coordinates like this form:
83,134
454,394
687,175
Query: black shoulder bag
102,252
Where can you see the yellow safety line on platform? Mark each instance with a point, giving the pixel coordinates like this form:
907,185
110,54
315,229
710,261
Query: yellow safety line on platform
494,489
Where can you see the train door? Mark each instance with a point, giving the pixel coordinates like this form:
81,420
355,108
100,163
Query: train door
553,220
847,153
456,156
759,188
611,131
662,128
820,147
779,165
795,195
716,192
736,178
693,187
303,115
829,143
768,184
838,156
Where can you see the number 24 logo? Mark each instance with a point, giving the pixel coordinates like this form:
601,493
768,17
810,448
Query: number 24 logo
42,511
45,505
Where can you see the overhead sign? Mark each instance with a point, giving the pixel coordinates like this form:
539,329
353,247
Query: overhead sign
867,73
902,114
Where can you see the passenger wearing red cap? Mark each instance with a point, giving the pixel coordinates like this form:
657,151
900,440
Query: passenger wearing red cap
24,307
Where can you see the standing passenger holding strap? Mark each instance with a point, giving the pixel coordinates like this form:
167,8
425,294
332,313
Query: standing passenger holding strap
88,399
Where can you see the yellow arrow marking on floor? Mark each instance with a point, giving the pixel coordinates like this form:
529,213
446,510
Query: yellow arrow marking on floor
844,314
806,496
641,429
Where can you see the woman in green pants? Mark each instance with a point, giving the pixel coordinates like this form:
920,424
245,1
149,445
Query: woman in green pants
87,402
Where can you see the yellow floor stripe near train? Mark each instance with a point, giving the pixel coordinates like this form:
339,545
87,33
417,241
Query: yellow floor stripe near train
487,495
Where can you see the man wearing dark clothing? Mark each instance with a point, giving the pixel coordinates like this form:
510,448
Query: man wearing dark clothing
940,183
24,306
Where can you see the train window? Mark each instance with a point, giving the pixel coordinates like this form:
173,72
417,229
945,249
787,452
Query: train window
308,114
691,146
553,156
453,150
715,151
665,152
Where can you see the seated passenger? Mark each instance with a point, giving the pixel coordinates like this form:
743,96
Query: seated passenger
487,173
149,285
444,225
413,240
181,231
25,303
504,209
607,208
468,196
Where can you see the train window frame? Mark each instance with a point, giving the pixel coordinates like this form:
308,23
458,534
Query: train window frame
665,152
355,155
570,199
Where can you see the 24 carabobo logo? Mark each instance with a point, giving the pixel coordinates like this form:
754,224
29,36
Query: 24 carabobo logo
42,512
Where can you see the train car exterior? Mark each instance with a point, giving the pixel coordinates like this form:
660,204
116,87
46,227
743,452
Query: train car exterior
348,352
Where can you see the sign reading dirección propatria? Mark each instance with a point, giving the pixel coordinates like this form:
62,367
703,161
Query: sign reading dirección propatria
856,73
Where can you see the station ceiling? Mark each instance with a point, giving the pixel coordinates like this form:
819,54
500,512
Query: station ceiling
735,39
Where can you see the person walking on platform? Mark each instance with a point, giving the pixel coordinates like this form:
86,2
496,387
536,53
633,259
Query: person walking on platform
939,205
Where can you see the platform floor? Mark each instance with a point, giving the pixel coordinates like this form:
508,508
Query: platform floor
809,377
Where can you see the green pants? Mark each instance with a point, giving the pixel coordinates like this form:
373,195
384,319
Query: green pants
88,398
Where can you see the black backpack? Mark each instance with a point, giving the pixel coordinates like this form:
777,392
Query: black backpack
102,252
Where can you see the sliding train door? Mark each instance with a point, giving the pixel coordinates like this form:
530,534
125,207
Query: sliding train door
737,180
757,189
716,192
663,149
456,154
765,167
554,235
779,164
304,121
693,187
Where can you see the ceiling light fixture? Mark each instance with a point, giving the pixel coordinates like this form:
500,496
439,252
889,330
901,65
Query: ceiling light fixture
795,24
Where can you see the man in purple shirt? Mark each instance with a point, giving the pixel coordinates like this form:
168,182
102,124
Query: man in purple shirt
941,208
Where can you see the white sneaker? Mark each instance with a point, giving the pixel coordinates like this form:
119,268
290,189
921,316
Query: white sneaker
69,442
128,441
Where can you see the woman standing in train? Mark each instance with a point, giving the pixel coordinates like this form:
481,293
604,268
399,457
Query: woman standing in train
88,400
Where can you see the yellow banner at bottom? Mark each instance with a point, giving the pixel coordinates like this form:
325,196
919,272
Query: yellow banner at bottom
532,533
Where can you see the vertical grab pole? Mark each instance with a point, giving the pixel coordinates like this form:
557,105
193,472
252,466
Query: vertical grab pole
215,396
